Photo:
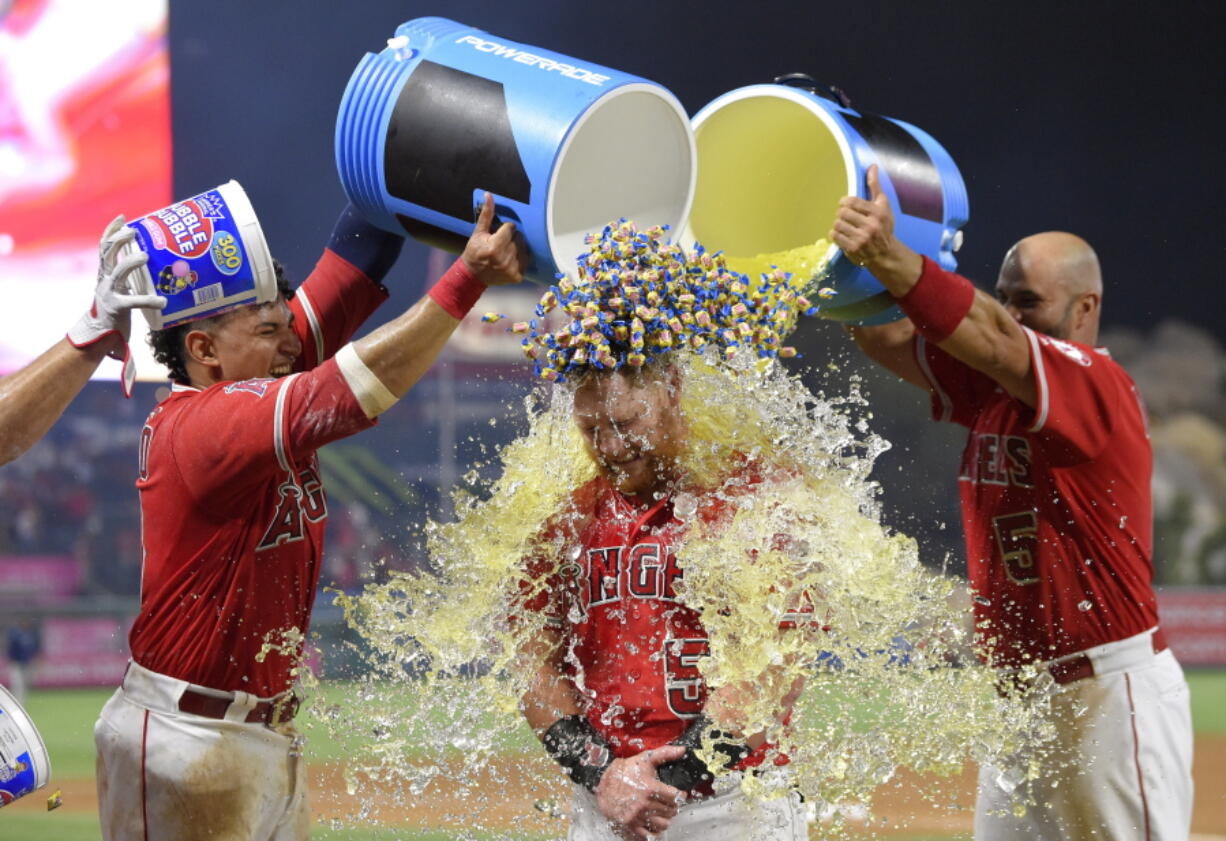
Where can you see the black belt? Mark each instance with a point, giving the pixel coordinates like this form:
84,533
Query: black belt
281,709
1081,666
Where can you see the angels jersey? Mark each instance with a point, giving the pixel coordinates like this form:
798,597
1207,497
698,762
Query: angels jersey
635,650
232,505
1055,500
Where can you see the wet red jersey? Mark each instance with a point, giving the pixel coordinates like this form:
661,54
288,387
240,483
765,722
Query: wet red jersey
1055,500
636,650
232,505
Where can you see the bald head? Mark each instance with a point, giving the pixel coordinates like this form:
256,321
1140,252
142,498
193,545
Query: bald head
1051,283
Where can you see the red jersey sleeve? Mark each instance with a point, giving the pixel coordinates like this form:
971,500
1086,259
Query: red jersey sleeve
957,390
330,306
1082,395
234,435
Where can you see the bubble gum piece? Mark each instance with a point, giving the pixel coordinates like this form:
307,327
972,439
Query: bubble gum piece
580,356
740,310
616,304
550,375
803,302
590,322
697,341
825,292
787,352
491,317
744,330
636,360
664,338
56,800
675,324
531,350
703,318
621,332
643,312
729,351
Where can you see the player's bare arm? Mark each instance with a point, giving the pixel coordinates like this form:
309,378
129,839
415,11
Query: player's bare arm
32,399
986,338
892,346
400,352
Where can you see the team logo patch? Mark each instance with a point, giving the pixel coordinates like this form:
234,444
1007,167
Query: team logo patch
257,387
1071,351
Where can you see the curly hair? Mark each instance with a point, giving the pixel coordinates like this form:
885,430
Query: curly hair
168,347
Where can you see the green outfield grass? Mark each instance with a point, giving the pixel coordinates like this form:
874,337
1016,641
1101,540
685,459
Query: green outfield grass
65,718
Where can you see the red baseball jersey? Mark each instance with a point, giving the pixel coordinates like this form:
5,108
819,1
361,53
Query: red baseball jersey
232,505
636,649
1055,500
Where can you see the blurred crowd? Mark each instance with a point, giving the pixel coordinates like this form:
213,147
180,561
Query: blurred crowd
73,494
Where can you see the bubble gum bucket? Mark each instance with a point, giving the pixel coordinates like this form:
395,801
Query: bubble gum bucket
447,112
207,254
773,162
24,765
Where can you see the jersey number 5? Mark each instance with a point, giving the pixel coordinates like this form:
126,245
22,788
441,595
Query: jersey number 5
1016,536
682,680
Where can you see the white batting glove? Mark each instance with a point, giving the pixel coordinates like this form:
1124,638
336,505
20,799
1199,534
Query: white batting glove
111,313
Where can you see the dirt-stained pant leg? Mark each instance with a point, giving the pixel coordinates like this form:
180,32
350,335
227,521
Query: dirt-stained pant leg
1122,767
171,776
727,817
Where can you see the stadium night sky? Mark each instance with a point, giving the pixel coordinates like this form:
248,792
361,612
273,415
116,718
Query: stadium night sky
1100,118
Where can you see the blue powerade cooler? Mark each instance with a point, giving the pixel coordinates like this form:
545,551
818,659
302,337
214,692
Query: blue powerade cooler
447,112
775,159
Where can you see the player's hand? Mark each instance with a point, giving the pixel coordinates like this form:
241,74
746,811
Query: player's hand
110,317
495,258
632,798
864,230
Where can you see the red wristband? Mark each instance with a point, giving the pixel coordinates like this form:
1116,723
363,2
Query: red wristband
938,302
457,290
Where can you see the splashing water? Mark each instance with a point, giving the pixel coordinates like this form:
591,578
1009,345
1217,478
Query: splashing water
887,685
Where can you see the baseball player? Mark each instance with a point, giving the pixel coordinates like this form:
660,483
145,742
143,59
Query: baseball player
33,398
1055,488
620,701
197,742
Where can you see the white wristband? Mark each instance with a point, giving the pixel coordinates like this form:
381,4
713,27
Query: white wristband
372,394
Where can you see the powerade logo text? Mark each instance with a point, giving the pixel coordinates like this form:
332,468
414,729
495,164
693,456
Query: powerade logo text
184,229
567,70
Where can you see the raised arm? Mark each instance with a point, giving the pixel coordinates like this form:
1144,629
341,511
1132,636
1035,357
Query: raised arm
943,307
397,354
33,398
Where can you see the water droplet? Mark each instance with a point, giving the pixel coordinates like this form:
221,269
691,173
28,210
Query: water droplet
1085,605
1123,521
1089,561
983,600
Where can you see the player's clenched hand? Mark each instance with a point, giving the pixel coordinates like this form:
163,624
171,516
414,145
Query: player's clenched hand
864,230
631,796
495,258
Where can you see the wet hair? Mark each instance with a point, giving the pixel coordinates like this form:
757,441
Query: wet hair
168,347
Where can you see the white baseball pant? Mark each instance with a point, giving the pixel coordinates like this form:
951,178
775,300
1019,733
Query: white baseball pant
165,775
1122,763
730,816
